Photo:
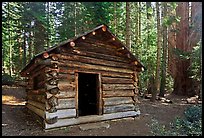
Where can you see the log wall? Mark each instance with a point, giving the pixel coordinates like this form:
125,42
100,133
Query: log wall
57,99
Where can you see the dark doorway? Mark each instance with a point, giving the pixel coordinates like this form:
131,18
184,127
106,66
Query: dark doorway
87,94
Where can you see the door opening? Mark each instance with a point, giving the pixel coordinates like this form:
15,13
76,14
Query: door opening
88,94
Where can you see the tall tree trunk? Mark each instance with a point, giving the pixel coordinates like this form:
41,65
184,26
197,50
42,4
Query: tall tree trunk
128,39
182,82
196,23
24,48
115,18
149,80
164,55
159,39
136,28
9,40
75,20
171,45
139,22
48,24
30,45
194,38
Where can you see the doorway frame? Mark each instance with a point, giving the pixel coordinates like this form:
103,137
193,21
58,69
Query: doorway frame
99,92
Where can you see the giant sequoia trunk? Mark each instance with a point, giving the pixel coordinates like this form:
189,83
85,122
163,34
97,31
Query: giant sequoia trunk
183,84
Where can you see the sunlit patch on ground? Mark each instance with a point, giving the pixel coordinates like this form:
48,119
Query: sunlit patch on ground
11,100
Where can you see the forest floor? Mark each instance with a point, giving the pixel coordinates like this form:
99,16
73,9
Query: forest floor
16,120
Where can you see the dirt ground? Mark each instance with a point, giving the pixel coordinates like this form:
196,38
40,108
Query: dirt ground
18,121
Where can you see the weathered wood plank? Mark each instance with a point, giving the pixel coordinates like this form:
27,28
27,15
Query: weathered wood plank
38,98
88,47
65,94
117,100
106,73
98,55
117,87
65,113
37,104
116,80
118,93
66,85
89,60
119,108
96,42
91,118
36,110
90,66
118,75
77,93
36,92
99,85
66,103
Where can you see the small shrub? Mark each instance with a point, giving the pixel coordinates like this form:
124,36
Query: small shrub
190,125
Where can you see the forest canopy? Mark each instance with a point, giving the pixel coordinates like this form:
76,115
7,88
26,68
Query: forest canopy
164,36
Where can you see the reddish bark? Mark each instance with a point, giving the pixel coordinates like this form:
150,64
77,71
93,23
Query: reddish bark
183,84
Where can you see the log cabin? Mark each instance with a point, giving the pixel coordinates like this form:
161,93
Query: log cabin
91,77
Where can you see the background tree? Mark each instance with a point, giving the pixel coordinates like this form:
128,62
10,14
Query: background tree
159,40
164,55
128,35
31,27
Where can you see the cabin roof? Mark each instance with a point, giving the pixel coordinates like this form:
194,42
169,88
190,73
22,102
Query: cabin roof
112,39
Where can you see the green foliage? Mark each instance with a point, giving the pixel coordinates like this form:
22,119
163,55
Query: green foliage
195,67
169,83
190,125
7,79
193,113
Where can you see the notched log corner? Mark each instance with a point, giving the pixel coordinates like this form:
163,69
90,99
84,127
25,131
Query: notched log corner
52,120
52,110
53,101
54,90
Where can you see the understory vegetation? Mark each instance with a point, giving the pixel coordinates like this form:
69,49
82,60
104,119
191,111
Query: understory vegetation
190,125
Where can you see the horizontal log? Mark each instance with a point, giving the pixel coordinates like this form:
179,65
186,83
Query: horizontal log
65,113
95,71
90,66
37,104
66,76
36,92
95,42
98,55
88,47
39,69
118,93
65,85
117,100
66,103
117,87
66,94
116,80
118,75
118,108
91,118
38,98
36,110
89,60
